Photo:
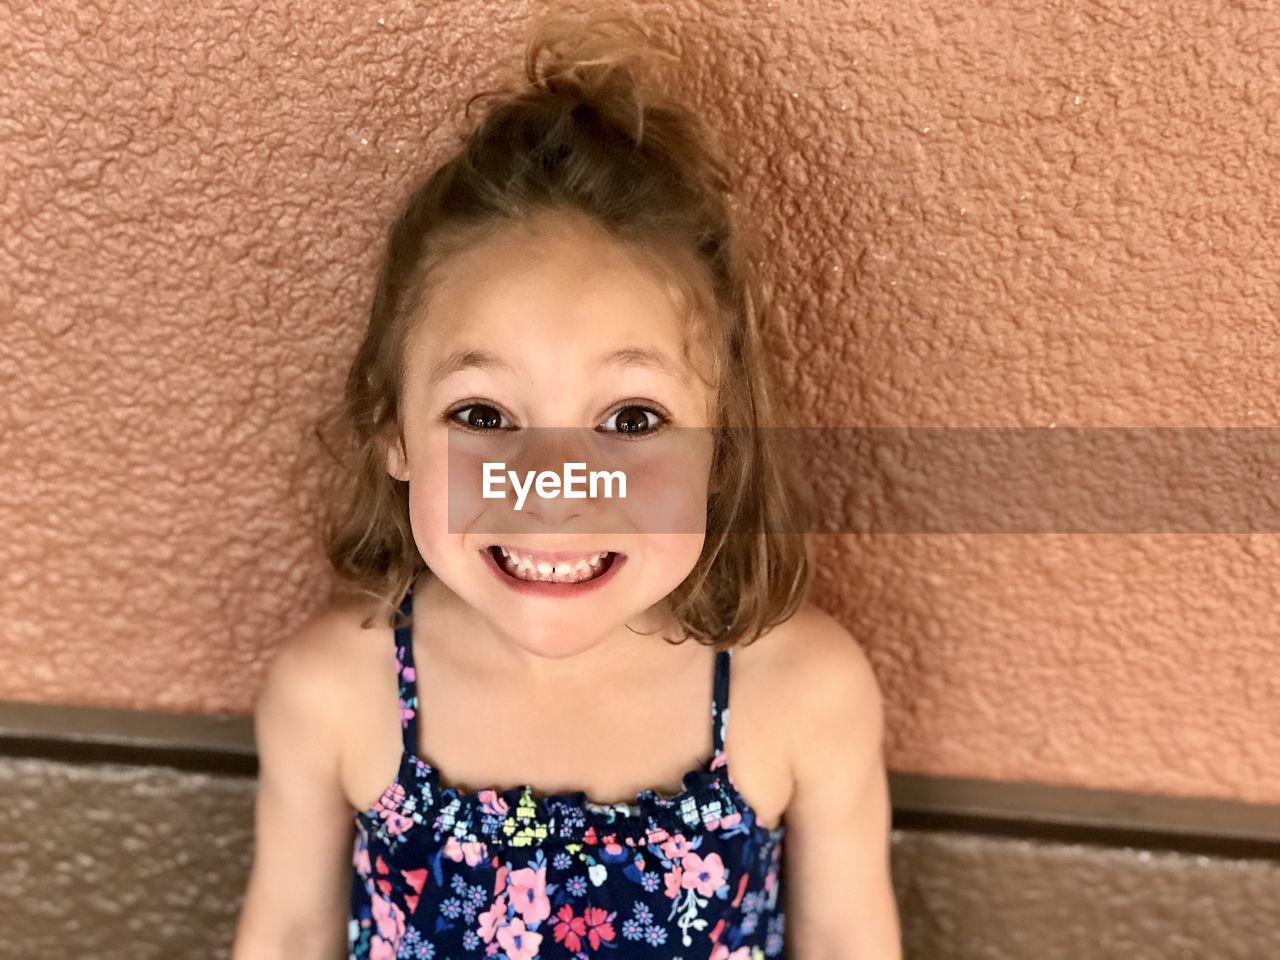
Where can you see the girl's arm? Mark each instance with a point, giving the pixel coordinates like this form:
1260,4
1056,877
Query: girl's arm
839,895
299,887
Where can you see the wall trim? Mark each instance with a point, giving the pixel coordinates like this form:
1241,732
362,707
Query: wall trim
214,743
224,743
1065,813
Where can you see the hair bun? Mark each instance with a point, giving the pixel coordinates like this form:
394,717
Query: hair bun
601,65
590,56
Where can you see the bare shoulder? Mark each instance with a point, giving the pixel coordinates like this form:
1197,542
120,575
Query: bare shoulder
310,651
815,654
829,685
308,678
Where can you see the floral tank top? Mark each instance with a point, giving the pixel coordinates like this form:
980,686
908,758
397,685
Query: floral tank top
444,874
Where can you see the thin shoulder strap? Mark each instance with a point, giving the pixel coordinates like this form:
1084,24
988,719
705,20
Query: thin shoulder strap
720,700
408,676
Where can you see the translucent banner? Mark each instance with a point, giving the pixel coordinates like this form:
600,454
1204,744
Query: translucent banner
867,480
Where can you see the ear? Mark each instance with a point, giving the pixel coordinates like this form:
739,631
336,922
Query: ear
394,457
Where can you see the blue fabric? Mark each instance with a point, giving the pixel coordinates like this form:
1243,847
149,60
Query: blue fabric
514,875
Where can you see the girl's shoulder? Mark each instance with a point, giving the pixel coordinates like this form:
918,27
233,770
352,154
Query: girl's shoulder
811,659
324,665
806,646
323,645
801,687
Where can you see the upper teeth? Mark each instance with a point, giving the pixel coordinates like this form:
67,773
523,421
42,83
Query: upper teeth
532,567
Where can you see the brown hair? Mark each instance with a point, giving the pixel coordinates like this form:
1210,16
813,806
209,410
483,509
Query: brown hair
583,130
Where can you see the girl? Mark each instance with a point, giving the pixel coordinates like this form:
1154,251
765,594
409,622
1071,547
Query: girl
509,773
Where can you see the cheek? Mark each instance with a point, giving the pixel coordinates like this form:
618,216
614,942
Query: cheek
667,489
458,487
670,556
429,507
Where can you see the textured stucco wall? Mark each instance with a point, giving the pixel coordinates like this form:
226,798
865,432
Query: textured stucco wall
1024,216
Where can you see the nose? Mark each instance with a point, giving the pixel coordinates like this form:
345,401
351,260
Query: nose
549,449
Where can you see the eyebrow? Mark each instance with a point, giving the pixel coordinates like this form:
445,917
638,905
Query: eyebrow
482,360
466,360
639,357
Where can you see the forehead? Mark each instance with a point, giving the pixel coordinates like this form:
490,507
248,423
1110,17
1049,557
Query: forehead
560,279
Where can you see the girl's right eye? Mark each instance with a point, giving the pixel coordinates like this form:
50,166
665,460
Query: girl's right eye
480,417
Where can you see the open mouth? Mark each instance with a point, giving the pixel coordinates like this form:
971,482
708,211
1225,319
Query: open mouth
558,568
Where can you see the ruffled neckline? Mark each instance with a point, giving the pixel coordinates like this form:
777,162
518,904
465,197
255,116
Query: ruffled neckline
518,816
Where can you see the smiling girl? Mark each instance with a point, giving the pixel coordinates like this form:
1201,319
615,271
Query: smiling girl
512,740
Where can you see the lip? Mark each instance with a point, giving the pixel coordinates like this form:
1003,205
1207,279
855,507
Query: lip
561,591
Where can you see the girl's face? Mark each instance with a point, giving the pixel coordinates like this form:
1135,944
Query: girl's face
545,345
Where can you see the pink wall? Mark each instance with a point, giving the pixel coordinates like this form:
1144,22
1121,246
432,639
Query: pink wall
1001,217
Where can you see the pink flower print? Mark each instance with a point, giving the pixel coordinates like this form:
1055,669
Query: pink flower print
392,798
719,761
721,952
490,918
492,803
406,712
569,930
453,849
389,919
380,949
396,823
595,925
519,942
704,874
723,823
472,851
528,890
409,674
742,888
388,809
671,882
361,861
598,926
382,883
415,879
676,847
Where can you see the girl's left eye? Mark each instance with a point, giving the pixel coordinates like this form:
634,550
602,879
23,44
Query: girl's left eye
634,419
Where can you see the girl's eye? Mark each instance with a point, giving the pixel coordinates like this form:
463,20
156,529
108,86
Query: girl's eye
480,416
633,420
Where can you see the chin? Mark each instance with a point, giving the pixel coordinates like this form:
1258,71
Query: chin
556,634
556,637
